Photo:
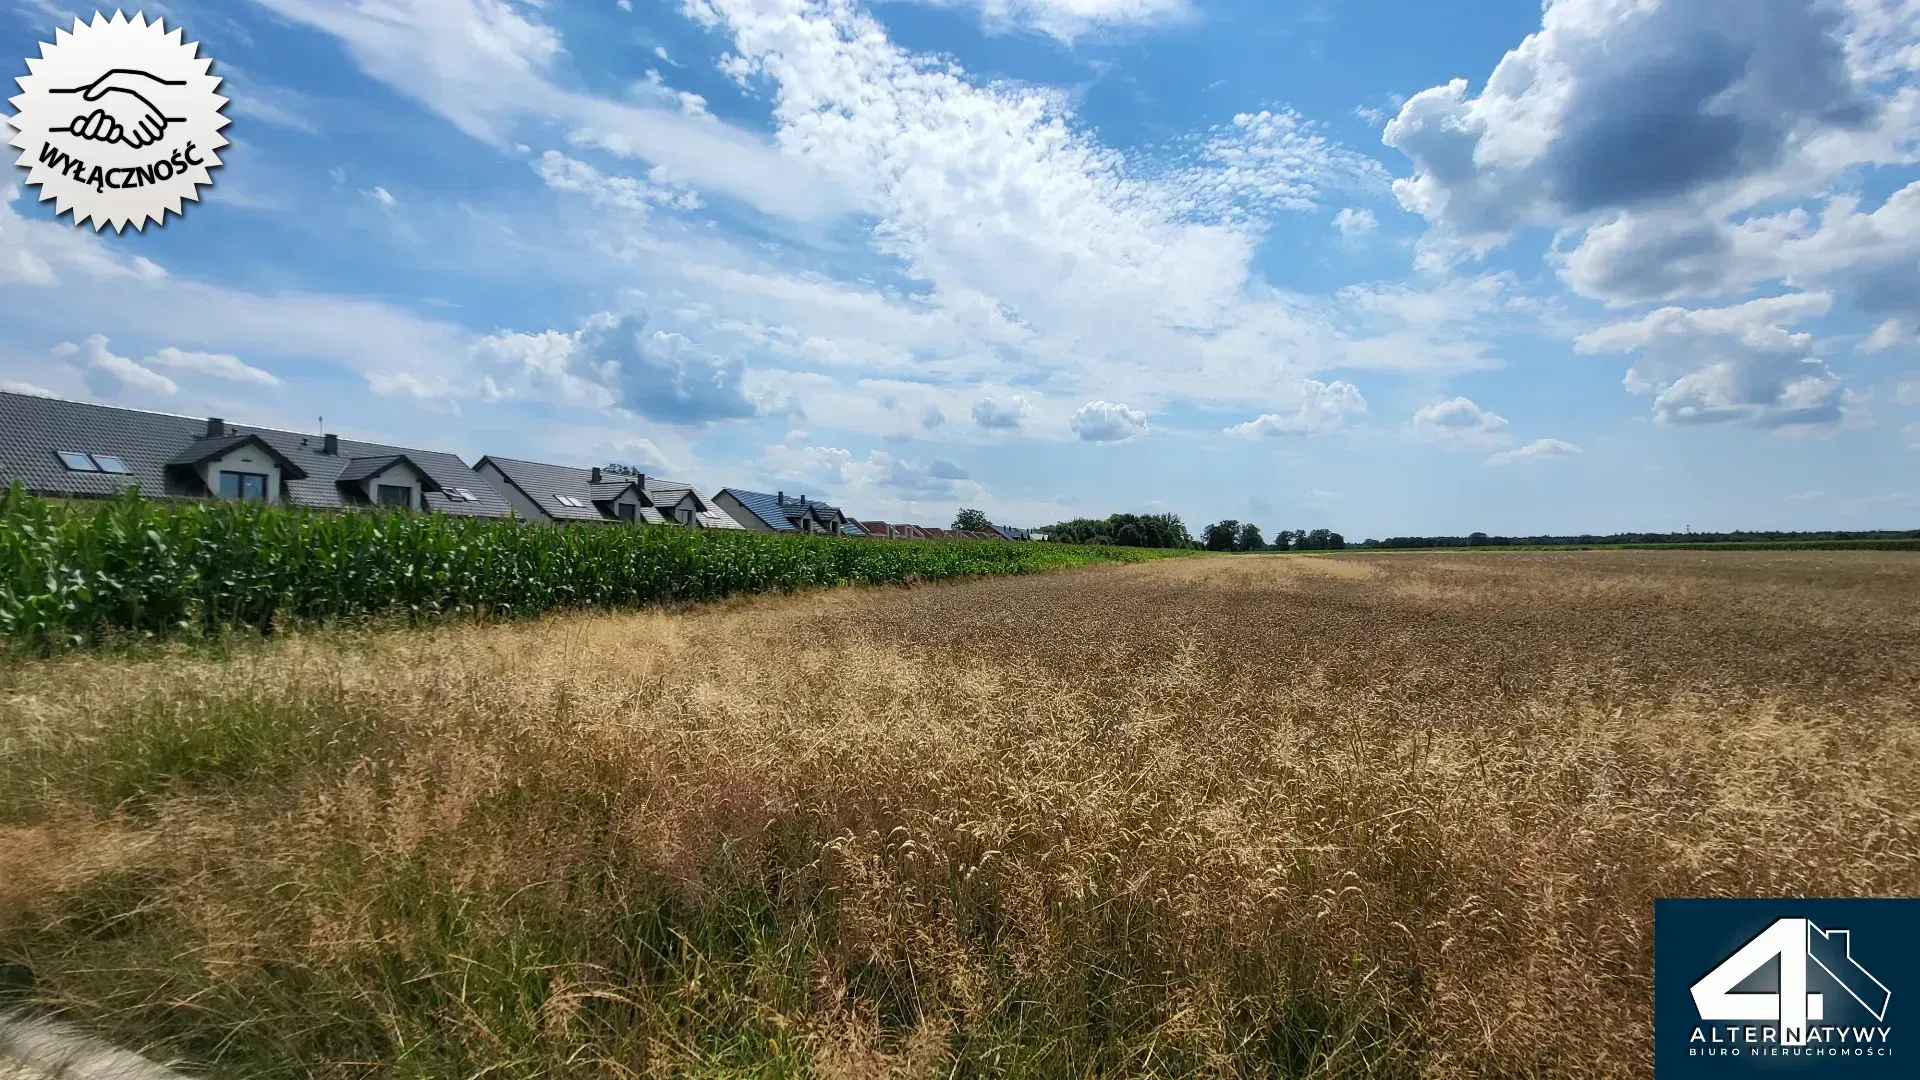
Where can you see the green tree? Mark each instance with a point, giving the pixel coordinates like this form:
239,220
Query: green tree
1124,530
1283,540
1221,535
1249,538
971,521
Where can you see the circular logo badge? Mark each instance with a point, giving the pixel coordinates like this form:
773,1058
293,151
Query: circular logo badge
118,121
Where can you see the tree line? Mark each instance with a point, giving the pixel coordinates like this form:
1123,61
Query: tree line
1234,535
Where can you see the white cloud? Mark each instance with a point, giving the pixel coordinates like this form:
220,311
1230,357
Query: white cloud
1537,450
382,196
108,373
1458,424
484,65
1069,19
1655,122
995,415
1908,393
1352,222
1912,432
13,386
1732,365
1323,408
218,365
838,470
613,360
1108,422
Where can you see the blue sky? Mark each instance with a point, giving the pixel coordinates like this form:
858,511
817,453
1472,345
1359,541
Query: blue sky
1382,267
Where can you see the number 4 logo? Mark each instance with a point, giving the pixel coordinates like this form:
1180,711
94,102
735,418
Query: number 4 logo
1799,945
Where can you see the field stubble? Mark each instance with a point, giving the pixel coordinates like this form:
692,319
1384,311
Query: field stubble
1239,816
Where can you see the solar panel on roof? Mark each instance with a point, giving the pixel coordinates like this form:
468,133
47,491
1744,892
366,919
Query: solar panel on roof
77,462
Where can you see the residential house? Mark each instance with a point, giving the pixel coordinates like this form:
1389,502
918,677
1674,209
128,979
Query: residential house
780,512
886,530
73,449
1008,532
541,492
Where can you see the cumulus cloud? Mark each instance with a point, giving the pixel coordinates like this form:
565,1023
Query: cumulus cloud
13,386
218,365
996,415
1732,365
1324,408
1107,422
932,417
108,374
1352,222
1651,131
1615,104
904,478
1537,450
615,361
1458,424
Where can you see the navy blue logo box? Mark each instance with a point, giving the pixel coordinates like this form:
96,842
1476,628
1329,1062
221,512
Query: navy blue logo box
1785,988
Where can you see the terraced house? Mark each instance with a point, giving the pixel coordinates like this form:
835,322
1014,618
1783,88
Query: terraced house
73,449
542,492
780,512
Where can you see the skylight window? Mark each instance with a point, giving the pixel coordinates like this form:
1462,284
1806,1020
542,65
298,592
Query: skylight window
465,494
109,463
77,462
569,500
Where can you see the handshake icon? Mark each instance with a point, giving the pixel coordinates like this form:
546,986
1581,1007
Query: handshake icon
123,108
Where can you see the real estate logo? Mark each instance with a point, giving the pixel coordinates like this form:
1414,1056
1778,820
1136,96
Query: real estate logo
1761,987
118,121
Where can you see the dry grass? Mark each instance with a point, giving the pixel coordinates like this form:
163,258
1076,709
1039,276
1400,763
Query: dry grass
1256,816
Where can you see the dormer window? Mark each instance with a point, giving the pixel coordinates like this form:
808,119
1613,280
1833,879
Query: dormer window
395,495
243,486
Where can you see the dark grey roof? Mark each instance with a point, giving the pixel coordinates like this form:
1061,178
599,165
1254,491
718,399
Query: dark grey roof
33,429
365,468
200,450
778,511
669,493
541,483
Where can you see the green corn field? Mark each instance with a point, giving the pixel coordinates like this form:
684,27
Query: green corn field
76,574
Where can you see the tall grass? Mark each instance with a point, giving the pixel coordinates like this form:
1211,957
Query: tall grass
75,573
1311,819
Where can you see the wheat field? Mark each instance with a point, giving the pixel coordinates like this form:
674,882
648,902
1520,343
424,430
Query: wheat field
1398,815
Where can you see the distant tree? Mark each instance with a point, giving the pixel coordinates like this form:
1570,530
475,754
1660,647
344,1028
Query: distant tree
971,521
1283,540
1221,535
1336,542
1124,530
1249,538
1478,539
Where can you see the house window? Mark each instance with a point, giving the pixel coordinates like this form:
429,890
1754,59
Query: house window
109,463
395,495
243,486
627,511
77,462
685,516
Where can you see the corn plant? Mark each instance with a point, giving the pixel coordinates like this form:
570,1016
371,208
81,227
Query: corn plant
75,573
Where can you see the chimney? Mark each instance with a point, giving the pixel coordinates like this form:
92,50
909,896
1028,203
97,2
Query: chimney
780,497
216,427
330,444
596,475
